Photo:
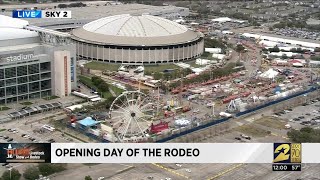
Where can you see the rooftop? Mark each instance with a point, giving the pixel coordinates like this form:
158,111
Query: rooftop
135,26
88,121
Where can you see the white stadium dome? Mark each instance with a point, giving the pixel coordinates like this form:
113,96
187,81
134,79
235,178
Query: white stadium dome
135,26
141,39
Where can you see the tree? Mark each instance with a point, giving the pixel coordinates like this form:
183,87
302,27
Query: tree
87,178
62,6
15,175
31,173
240,49
48,169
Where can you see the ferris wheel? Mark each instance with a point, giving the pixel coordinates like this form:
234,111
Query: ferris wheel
131,115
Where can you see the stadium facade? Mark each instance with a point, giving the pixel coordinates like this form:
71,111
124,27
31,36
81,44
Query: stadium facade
144,39
30,68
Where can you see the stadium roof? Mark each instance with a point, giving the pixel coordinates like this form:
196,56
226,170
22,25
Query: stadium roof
9,22
130,30
11,28
15,33
135,26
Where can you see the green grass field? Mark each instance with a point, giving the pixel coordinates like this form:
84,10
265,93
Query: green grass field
27,103
4,108
102,66
271,122
116,90
87,81
114,67
252,130
160,68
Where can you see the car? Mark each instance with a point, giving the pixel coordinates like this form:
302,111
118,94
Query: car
5,137
5,164
308,114
31,138
26,136
167,178
237,138
51,141
22,135
296,119
179,165
188,170
10,139
101,178
150,177
248,138
301,117
245,136
10,130
196,111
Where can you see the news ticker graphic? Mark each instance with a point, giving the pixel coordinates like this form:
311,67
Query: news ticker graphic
40,14
25,152
164,153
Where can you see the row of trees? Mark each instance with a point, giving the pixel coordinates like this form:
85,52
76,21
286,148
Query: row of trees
305,135
170,75
215,43
100,84
296,24
291,24
34,172
295,50
77,4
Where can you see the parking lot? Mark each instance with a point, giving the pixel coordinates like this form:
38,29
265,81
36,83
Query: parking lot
308,114
293,32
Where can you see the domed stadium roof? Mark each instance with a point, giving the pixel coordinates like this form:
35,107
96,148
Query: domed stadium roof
126,25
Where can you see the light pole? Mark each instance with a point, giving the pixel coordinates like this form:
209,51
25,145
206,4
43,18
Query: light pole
213,104
10,169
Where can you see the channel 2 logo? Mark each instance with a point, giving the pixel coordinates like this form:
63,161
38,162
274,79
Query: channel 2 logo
287,153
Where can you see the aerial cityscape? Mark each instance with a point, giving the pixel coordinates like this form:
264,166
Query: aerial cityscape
156,71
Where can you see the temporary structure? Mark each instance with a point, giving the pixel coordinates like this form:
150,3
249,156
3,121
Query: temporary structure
270,74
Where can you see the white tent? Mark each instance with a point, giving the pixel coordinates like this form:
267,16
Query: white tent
269,74
218,56
221,19
297,64
213,50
